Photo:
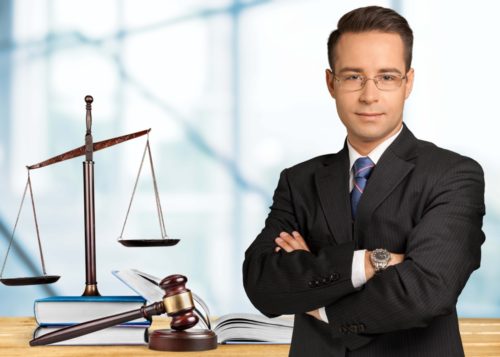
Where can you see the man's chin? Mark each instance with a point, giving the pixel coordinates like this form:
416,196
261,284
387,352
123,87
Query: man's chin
370,136
372,132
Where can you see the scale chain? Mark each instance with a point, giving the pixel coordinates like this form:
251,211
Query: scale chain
157,194
133,192
28,185
36,226
147,150
15,226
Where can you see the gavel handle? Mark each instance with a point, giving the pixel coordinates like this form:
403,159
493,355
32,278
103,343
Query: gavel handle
67,333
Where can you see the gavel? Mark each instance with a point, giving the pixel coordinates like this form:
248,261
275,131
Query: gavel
177,303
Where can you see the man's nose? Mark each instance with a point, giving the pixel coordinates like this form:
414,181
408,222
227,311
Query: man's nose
369,92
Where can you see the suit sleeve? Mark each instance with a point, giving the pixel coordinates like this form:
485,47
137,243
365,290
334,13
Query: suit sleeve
296,282
443,250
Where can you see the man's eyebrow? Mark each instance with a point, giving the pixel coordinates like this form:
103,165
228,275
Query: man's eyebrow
351,69
389,70
360,70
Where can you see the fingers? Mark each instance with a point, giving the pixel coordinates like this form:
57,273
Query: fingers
300,240
290,242
283,244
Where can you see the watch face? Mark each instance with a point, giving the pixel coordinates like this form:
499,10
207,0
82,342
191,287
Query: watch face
381,254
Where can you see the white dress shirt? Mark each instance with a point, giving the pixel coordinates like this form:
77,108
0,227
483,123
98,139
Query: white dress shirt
358,276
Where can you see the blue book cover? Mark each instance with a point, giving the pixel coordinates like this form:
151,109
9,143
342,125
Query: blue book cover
70,310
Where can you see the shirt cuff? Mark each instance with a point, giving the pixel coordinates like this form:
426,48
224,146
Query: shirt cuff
322,314
358,276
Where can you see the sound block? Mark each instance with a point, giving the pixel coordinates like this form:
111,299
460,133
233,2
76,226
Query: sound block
191,340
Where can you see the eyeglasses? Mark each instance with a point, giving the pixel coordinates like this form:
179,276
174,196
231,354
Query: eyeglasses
355,82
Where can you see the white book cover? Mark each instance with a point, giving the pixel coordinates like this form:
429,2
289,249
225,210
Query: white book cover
116,335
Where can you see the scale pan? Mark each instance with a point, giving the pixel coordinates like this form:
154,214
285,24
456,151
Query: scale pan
148,242
32,280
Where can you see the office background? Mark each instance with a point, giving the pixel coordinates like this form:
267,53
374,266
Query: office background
234,92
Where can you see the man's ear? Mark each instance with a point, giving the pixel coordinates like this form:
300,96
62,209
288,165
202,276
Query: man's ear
410,77
330,82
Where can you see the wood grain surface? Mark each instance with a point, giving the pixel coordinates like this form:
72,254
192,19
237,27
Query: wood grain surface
481,337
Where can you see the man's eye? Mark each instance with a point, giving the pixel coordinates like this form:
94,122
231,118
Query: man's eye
353,77
387,78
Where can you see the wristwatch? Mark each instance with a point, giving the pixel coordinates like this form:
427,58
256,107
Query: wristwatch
380,259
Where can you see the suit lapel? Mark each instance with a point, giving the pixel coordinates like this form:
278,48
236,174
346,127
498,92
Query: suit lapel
332,182
391,169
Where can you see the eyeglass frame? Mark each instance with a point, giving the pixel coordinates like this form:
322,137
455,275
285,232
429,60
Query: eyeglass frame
375,81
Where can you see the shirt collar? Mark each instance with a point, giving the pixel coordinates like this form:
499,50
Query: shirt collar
375,154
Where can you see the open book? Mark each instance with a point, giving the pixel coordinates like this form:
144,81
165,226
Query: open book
231,328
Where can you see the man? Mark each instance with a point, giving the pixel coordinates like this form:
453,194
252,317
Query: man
421,205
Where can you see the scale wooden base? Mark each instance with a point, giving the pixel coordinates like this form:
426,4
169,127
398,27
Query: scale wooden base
172,340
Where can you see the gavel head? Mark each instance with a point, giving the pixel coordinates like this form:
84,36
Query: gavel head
178,302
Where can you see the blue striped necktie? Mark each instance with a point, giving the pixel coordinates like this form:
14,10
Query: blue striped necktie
363,167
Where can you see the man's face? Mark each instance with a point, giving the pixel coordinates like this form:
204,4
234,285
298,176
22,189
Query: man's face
369,114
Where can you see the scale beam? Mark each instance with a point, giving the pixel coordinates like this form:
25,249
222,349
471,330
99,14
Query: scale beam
81,150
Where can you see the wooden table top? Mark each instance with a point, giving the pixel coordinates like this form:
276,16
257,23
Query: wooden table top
481,337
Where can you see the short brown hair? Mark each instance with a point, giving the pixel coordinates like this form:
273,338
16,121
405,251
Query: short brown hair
372,18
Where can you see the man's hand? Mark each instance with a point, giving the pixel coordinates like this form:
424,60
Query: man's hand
370,270
290,242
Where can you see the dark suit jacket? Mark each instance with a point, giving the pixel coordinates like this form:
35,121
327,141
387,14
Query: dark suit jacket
420,200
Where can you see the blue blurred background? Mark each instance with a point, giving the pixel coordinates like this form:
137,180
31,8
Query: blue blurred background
234,91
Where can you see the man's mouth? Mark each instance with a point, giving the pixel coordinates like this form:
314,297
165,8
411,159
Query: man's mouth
369,115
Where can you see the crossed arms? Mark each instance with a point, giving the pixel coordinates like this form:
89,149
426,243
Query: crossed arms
295,241
442,250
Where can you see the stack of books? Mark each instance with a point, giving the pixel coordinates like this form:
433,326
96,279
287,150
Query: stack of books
54,313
